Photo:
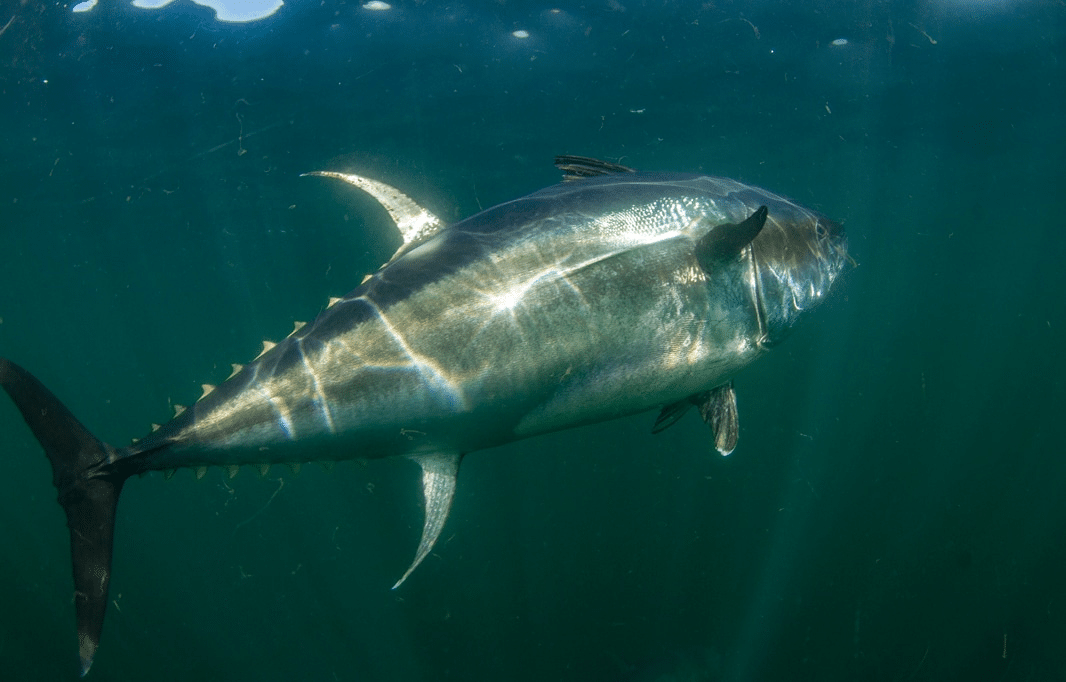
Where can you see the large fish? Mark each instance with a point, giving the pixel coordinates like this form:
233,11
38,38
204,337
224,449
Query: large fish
609,294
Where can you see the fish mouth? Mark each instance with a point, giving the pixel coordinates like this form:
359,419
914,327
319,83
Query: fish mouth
824,227
834,236
794,273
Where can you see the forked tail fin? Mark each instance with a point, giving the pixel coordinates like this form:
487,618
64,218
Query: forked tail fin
88,491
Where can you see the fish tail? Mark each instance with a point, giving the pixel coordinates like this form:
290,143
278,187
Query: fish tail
88,487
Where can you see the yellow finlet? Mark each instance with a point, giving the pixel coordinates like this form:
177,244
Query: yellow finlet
178,409
333,300
155,427
200,472
263,469
232,470
168,474
267,345
236,368
207,390
295,466
297,326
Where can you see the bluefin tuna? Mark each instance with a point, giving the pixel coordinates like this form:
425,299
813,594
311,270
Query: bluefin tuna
612,293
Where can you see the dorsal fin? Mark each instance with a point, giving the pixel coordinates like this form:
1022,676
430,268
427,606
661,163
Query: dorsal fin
413,221
577,167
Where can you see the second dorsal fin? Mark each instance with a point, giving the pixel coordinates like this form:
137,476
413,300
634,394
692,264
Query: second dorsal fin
577,167
414,222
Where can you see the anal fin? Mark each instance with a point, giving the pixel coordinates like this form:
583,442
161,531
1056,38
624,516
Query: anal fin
438,488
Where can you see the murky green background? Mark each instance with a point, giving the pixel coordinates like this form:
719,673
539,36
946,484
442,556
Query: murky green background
894,510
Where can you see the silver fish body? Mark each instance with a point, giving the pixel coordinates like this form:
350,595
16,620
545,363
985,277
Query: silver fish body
612,294
578,303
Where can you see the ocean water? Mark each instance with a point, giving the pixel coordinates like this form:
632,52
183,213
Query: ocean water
894,509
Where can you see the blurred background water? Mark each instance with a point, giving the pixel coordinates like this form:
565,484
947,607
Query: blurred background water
894,510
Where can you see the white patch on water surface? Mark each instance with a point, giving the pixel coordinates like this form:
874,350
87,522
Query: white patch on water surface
237,11
520,34
232,11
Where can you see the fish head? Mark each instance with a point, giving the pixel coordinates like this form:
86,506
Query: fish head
796,256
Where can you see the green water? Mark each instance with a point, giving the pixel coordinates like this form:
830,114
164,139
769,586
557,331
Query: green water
893,511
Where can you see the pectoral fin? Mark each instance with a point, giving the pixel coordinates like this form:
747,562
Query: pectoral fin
438,487
726,241
718,407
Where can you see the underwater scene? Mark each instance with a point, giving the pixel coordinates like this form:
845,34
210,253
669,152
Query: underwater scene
892,508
